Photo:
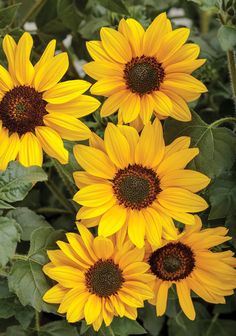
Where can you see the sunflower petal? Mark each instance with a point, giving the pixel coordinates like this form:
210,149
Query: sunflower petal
30,152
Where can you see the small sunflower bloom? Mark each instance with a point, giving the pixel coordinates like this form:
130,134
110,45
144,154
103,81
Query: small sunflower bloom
189,264
142,72
37,112
138,182
96,279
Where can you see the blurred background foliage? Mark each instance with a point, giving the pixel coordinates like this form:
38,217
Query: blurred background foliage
32,219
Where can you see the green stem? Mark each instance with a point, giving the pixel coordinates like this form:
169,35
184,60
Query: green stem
212,323
46,210
20,257
204,21
223,120
59,196
37,321
110,331
232,71
66,177
34,9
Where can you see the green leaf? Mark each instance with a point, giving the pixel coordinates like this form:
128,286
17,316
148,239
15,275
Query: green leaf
27,279
68,14
124,327
221,327
217,145
28,220
16,331
6,308
151,322
227,37
24,315
58,328
4,205
16,181
222,195
228,307
115,6
9,236
8,14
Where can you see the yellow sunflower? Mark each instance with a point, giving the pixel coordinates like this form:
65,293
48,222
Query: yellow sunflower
139,182
145,71
36,111
189,263
96,280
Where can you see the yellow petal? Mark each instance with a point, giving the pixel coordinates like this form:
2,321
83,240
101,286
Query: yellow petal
154,226
180,109
92,308
107,87
94,161
66,91
6,83
55,294
30,152
23,67
116,45
136,227
9,47
91,212
130,108
11,152
52,143
182,217
112,221
79,248
150,149
75,303
184,82
67,276
128,297
4,139
46,56
112,103
188,51
49,75
99,70
155,33
177,145
77,107
178,160
97,51
87,238
133,32
171,42
103,247
97,142
132,137
181,200
94,195
162,296
187,179
162,103
117,146
185,299
185,66
83,179
68,127
147,107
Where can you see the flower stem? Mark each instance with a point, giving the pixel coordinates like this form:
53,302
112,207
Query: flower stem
110,331
65,176
232,71
222,121
34,9
59,196
204,21
37,321
20,257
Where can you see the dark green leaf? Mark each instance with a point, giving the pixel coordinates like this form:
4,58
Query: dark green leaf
16,181
227,37
16,331
68,14
115,6
6,308
9,236
7,15
217,145
151,322
58,328
125,327
28,220
222,194
4,205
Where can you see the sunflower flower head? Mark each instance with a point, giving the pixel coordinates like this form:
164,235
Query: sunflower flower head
142,72
96,280
138,183
36,111
189,264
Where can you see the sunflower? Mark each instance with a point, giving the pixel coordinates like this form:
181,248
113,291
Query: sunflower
189,264
96,279
138,182
145,71
36,111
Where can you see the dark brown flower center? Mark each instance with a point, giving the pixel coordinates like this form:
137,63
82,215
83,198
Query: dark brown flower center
143,75
22,109
136,187
172,262
104,278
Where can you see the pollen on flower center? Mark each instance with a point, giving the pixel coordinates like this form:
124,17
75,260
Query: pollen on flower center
172,262
104,278
143,75
136,187
22,109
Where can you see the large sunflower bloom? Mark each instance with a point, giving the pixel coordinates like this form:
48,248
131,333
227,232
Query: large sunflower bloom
36,111
190,265
145,71
138,181
96,280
